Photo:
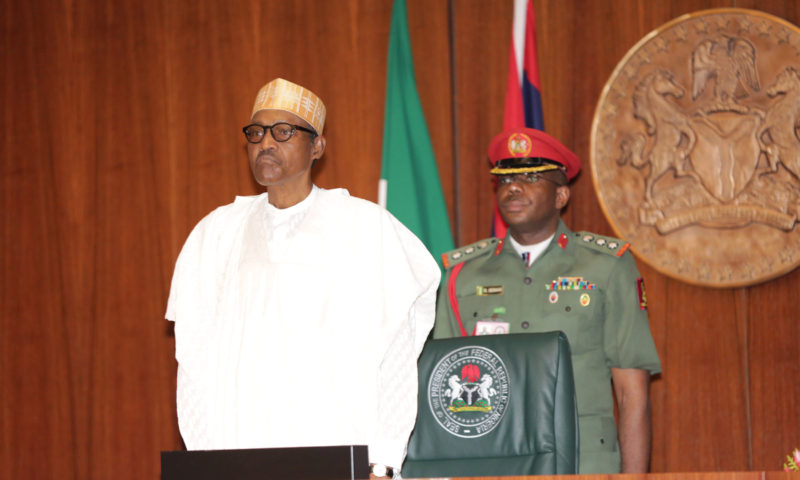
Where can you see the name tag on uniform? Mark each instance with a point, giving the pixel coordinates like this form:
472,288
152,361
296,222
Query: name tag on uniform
488,327
483,290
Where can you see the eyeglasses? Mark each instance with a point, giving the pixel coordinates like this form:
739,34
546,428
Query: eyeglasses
281,132
524,178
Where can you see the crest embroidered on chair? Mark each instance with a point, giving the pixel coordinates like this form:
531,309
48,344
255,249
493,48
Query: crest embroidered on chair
468,391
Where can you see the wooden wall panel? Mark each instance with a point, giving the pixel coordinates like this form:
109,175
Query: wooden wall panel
773,367
38,379
121,129
481,35
774,337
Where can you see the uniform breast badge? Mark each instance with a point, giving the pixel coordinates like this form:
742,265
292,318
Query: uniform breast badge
585,300
570,283
493,325
484,290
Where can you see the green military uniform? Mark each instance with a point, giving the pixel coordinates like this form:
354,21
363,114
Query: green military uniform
584,285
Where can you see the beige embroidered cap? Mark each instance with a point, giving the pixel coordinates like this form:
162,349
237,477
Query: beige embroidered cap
281,94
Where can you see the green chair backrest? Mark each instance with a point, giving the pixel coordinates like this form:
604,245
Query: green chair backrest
495,405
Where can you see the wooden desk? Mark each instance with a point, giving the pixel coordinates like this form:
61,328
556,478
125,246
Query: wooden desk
755,475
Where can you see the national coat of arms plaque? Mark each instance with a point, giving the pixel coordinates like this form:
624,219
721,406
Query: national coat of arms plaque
695,150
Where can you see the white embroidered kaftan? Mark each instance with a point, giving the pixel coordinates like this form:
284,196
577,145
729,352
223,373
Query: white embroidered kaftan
301,326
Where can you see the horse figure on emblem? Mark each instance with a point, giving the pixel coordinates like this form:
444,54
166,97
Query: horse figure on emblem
778,134
672,138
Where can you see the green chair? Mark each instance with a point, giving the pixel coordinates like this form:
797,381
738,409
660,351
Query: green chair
495,405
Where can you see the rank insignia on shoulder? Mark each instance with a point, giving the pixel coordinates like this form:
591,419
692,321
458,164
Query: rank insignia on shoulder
499,247
603,244
570,283
468,252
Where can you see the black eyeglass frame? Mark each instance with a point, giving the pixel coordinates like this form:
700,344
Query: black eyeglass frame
533,177
271,132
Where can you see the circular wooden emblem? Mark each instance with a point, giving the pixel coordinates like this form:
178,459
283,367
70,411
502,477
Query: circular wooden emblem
695,151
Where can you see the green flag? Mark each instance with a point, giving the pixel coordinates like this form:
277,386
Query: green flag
409,185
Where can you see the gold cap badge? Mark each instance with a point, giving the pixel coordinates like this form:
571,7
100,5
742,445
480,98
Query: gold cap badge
519,144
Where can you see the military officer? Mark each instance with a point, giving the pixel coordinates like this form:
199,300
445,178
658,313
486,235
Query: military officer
543,277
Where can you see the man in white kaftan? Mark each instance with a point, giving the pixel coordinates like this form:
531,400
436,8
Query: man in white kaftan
299,323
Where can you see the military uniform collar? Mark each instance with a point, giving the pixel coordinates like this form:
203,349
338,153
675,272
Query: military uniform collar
560,239
561,243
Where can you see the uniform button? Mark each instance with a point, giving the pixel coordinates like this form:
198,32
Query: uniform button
527,280
568,308
525,324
